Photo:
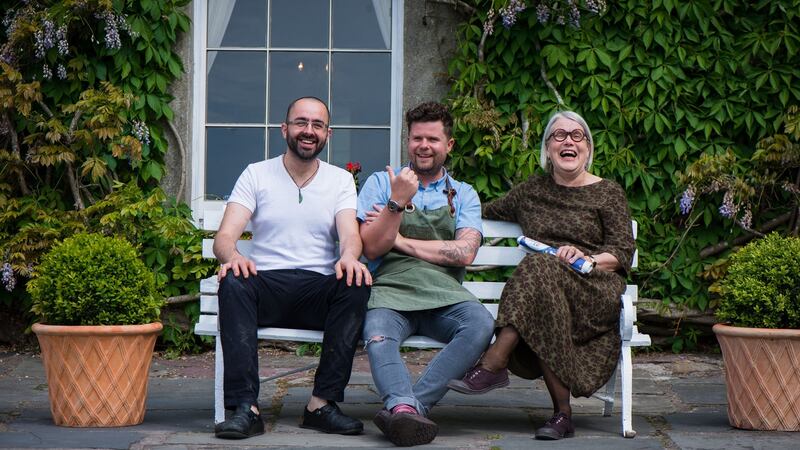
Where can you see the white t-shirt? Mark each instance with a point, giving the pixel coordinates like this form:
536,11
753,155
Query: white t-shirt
288,234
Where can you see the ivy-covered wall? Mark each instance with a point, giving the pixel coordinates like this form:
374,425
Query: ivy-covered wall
660,83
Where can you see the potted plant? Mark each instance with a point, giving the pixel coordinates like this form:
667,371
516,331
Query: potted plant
98,309
760,304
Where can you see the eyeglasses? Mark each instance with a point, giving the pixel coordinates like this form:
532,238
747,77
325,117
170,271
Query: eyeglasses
561,135
317,125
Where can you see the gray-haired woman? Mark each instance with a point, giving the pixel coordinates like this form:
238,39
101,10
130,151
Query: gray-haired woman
553,321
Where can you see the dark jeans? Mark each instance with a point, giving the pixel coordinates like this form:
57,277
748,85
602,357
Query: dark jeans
290,298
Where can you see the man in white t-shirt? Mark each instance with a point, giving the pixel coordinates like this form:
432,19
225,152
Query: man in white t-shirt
297,276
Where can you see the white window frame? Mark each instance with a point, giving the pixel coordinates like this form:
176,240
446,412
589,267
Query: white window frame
199,204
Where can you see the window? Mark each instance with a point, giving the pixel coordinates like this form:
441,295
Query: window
253,57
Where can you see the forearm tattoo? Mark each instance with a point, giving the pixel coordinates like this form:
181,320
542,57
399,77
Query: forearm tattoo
462,250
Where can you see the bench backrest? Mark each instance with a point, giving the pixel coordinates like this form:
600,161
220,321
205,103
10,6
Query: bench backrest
488,255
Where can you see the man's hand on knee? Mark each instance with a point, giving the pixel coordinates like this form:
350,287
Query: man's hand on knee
238,264
352,269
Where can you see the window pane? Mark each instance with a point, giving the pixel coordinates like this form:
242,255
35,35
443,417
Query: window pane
368,147
293,75
362,24
236,91
299,23
277,144
237,23
361,88
228,152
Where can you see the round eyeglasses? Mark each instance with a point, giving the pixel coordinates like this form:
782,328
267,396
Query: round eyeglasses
317,125
560,135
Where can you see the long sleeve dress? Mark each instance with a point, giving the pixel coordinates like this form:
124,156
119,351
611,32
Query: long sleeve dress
568,320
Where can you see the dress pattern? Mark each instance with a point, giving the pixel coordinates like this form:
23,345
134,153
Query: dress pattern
568,320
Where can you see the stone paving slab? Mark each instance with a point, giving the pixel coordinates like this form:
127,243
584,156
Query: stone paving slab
679,403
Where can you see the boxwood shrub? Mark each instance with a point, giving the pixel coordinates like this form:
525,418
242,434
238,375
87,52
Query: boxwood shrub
91,279
762,286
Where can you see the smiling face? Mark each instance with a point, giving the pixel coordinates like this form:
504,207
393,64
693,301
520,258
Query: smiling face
308,141
428,146
568,158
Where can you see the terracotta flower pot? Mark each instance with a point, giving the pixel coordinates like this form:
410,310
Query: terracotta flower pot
97,375
762,374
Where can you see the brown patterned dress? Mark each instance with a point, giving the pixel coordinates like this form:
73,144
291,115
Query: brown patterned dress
570,321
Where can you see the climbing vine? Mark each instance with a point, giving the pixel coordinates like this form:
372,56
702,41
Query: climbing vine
84,102
662,84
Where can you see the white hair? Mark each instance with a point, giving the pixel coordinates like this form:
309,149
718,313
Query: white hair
544,160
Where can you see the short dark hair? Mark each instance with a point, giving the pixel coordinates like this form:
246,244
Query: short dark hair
431,112
308,97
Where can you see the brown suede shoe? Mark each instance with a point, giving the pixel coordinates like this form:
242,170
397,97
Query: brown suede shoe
559,426
479,381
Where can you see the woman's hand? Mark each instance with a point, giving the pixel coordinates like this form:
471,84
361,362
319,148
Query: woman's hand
569,254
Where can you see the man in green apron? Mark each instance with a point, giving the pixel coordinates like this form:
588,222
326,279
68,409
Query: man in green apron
420,228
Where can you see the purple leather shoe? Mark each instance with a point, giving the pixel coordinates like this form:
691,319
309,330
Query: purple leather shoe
559,426
479,381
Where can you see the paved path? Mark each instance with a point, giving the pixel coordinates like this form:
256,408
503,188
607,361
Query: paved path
679,403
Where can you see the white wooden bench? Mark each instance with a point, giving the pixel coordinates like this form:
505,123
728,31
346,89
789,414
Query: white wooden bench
489,292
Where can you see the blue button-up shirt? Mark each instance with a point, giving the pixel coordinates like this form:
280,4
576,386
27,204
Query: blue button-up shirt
377,190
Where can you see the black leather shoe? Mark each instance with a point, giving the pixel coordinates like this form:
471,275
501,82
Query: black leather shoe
244,423
331,419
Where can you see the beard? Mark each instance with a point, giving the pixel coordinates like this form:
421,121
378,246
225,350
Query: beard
291,142
434,169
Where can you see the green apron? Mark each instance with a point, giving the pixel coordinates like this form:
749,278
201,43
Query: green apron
406,283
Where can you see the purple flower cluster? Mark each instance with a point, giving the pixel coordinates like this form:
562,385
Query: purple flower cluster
574,14
141,132
61,38
747,219
9,280
510,12
596,6
687,200
47,73
728,208
44,38
10,21
488,26
61,71
114,23
542,13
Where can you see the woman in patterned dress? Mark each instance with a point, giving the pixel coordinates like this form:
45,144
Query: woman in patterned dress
553,321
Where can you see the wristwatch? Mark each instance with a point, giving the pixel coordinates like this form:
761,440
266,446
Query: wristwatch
592,260
394,206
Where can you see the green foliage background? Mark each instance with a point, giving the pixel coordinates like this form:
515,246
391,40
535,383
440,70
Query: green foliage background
83,150
660,83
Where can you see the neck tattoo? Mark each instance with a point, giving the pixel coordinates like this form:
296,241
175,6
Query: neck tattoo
299,186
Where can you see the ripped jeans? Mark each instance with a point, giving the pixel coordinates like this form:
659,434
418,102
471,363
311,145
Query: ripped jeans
467,327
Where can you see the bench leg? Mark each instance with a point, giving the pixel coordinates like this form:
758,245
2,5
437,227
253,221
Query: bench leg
611,389
219,379
626,376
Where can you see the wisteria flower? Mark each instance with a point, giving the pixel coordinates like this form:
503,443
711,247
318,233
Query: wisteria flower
687,200
8,278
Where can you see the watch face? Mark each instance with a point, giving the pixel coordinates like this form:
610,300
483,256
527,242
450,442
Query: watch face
393,206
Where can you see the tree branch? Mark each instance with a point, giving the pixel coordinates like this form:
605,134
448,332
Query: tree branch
722,246
15,150
45,108
73,187
74,123
543,73
184,158
458,4
178,299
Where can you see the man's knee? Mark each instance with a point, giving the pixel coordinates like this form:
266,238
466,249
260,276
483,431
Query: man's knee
478,320
380,342
232,284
